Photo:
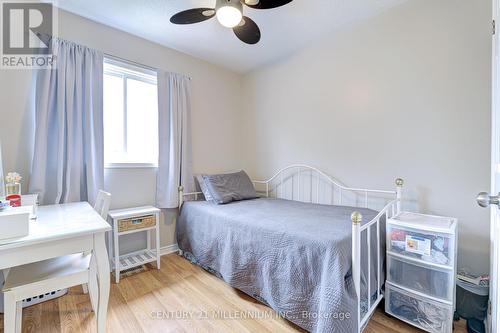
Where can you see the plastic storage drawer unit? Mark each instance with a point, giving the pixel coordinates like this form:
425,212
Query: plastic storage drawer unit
423,237
435,282
419,311
421,269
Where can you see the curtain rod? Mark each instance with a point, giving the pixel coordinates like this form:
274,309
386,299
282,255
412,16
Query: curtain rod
110,55
136,63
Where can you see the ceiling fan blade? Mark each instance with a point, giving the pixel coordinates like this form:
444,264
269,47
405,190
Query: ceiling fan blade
268,4
193,16
247,31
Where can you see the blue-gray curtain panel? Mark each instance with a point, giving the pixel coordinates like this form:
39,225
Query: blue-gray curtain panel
174,132
68,160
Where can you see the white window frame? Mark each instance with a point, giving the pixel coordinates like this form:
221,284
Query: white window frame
134,68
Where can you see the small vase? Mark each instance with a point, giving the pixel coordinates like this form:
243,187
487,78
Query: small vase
12,188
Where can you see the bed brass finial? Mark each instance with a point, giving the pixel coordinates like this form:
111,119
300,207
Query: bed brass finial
356,217
399,182
181,188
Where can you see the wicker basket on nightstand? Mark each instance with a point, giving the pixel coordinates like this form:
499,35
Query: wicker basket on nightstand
136,223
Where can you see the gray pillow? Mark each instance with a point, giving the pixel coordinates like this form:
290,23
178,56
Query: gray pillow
228,187
203,188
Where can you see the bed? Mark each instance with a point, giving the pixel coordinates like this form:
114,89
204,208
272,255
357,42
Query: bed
311,248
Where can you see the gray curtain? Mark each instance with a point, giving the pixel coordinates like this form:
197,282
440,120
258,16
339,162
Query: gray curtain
174,163
68,160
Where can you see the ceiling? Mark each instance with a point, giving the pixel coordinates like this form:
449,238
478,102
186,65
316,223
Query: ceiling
284,29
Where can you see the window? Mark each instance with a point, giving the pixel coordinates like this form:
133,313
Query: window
130,115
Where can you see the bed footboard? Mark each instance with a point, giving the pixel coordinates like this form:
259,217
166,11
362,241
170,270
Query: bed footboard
391,209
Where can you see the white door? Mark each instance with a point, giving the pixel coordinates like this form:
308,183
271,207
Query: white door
493,201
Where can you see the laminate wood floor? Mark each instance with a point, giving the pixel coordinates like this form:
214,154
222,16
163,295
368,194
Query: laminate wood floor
181,297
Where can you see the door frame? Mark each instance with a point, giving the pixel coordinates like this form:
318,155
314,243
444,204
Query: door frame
494,308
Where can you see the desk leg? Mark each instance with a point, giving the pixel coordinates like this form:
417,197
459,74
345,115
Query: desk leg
102,265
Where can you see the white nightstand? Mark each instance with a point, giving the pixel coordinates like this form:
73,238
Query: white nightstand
421,270
129,221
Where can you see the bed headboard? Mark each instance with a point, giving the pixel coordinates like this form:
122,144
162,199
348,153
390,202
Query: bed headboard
301,182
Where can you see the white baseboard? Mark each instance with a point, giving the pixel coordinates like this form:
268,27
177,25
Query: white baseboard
169,249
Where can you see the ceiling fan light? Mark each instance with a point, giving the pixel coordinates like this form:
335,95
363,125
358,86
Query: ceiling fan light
229,16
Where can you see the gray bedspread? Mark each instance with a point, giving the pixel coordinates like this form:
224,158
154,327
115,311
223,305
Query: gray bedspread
294,256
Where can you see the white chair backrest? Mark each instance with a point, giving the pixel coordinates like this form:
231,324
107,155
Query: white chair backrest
102,203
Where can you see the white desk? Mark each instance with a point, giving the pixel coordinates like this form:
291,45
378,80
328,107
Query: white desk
61,230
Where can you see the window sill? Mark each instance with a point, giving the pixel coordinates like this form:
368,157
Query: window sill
130,166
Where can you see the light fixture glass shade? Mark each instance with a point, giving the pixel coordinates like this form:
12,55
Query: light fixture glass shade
229,16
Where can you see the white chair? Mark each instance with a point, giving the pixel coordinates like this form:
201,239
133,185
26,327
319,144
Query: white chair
101,206
42,277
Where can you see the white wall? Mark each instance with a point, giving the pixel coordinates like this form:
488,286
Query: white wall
215,118
406,93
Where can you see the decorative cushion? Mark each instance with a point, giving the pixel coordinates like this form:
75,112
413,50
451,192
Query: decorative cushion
228,187
203,188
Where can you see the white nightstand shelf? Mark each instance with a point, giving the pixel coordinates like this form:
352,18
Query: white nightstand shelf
129,221
135,259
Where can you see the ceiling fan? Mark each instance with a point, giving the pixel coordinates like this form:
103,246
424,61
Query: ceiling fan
230,14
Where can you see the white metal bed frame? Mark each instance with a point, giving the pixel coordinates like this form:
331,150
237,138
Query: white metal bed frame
391,207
